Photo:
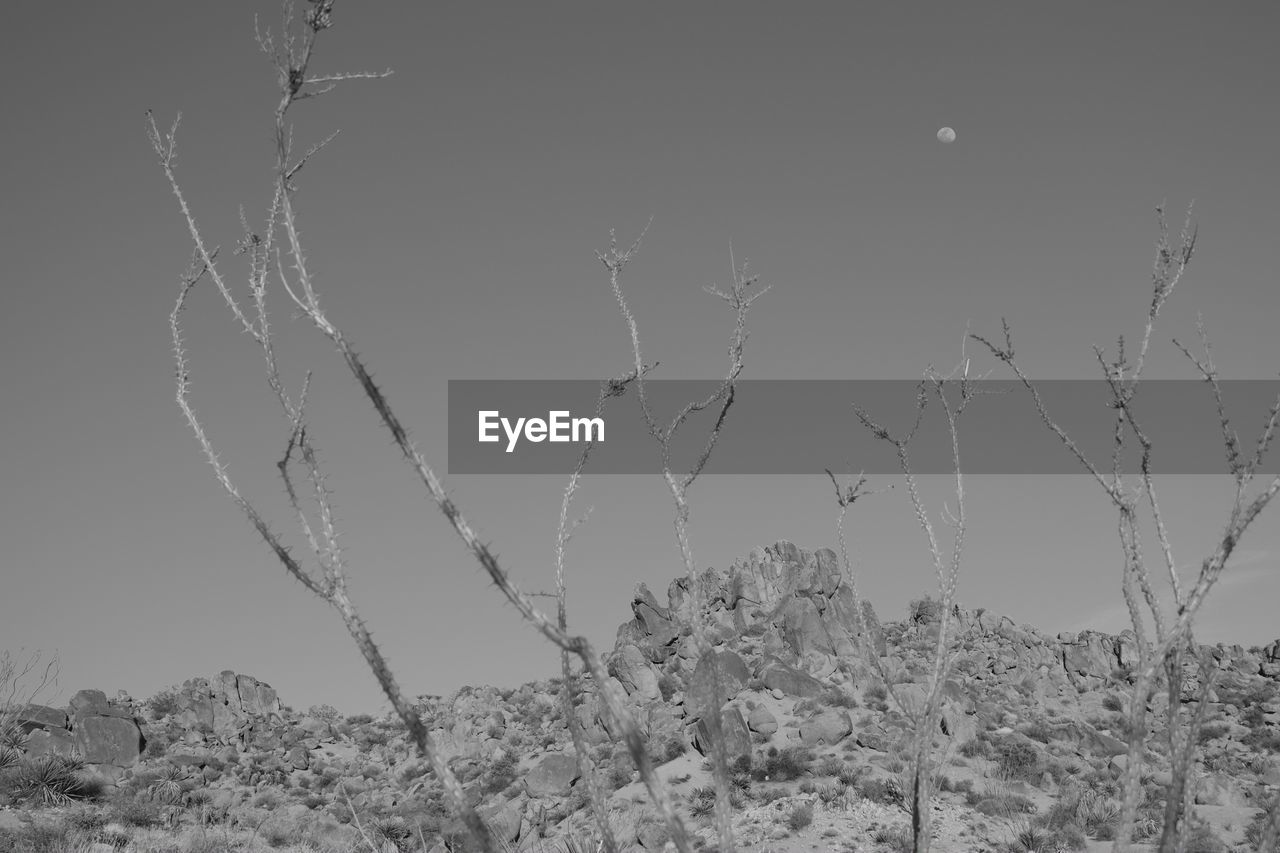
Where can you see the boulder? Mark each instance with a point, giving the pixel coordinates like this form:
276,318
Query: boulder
826,728
87,703
777,675
110,740
35,717
552,776
726,668
504,819
737,737
50,742
762,720
632,669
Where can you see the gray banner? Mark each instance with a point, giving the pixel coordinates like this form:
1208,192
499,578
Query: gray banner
805,426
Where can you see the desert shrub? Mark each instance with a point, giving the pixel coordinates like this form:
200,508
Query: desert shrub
163,703
86,820
367,738
360,719
1036,838
324,712
1112,702
800,817
1210,731
849,775
924,610
1038,730
1202,839
619,775
1017,757
499,775
702,801
277,834
895,839
974,748
765,796
886,791
135,812
1000,803
783,766
1262,739
1253,833
839,698
831,765
394,829
157,744
36,838
314,801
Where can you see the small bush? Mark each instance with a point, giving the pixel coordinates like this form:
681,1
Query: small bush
784,766
886,791
1262,739
1112,702
1038,731
1001,804
831,765
839,698
1202,839
37,838
1211,731
163,703
499,775
1017,758
139,813
924,610
800,817
897,840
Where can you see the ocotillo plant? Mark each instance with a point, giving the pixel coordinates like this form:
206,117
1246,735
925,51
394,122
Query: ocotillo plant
1163,646
925,717
292,55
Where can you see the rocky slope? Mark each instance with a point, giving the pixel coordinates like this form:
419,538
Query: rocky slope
1032,734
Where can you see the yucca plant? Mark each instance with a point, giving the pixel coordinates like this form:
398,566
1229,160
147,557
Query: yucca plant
50,780
14,738
168,788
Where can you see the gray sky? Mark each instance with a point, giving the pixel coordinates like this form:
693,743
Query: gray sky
452,226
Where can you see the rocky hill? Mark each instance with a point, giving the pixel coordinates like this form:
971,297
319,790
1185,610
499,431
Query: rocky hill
1032,734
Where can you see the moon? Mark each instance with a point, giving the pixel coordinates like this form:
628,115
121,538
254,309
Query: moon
946,136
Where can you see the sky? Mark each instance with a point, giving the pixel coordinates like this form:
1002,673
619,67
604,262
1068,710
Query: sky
452,227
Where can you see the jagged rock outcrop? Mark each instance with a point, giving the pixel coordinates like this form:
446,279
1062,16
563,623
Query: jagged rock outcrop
796,601
222,706
800,612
